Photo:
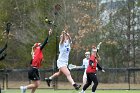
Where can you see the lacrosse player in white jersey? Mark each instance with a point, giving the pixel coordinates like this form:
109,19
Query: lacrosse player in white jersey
85,65
62,62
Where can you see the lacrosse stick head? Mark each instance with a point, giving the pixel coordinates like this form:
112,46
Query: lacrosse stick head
71,66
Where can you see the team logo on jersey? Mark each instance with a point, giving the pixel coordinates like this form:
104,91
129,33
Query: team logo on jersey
68,49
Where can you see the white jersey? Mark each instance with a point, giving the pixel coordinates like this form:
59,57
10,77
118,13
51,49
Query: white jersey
64,50
85,62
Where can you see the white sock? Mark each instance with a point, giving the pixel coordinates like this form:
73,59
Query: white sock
83,91
50,78
93,92
73,83
25,87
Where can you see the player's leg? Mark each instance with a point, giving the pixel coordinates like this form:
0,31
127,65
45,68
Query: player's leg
55,74
32,86
84,79
66,72
36,85
33,75
88,83
95,80
33,90
48,80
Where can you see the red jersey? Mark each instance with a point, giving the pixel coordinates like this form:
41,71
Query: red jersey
92,69
37,59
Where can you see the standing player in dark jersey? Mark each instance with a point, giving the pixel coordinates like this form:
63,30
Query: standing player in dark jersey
91,72
33,74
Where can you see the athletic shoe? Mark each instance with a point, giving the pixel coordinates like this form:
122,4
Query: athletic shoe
76,86
82,92
48,81
23,89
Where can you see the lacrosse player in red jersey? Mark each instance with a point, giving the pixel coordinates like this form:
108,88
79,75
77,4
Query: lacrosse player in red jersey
33,74
91,71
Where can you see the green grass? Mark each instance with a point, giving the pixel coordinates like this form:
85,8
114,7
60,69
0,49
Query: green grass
71,91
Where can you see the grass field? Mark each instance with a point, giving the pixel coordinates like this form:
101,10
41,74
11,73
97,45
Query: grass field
71,91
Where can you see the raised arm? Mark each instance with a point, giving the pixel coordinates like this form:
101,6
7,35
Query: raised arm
98,56
98,47
46,40
62,37
64,33
70,40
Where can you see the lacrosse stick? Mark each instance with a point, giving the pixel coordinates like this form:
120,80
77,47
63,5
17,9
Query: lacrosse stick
98,46
71,66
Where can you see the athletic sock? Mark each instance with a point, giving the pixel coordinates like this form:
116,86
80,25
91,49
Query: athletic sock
50,78
82,91
25,87
73,84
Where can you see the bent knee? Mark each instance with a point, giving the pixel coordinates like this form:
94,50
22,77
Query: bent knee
58,73
37,85
88,83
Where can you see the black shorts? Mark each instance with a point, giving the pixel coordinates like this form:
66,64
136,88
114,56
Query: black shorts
33,74
91,77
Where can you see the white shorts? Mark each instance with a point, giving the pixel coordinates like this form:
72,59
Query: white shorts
85,75
61,64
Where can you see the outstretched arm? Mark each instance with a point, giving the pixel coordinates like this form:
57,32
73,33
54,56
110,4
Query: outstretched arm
3,56
100,68
46,40
3,48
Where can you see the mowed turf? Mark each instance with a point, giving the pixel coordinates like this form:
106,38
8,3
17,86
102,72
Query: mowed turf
71,91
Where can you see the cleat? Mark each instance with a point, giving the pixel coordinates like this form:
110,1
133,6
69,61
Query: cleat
82,92
48,81
76,86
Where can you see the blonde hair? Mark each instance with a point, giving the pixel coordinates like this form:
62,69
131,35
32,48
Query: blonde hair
33,48
32,52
